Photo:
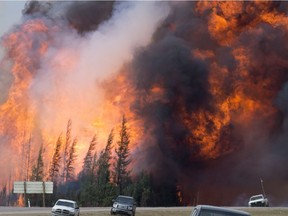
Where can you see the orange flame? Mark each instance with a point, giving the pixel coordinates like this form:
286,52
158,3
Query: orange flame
19,114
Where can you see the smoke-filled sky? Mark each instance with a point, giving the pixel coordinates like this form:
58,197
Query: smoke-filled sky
203,86
10,14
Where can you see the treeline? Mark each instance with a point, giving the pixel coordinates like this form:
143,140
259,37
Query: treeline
104,175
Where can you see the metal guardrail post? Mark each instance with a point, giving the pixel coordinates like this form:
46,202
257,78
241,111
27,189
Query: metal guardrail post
44,194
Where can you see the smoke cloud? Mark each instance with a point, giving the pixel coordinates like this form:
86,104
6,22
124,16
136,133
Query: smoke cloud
59,57
213,62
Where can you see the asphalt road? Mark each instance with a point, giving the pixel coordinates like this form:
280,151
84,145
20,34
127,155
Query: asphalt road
39,210
141,211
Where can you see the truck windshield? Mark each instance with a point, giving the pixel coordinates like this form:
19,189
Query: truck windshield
124,200
63,203
256,197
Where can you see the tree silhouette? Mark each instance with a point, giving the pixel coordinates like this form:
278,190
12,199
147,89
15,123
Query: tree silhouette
87,176
55,164
38,168
66,151
104,187
88,163
70,162
121,173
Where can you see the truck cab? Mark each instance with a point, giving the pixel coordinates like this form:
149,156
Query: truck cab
258,200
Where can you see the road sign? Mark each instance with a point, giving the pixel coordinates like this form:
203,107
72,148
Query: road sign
33,187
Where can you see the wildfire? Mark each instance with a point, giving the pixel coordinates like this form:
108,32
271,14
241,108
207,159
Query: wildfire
17,113
205,79
21,114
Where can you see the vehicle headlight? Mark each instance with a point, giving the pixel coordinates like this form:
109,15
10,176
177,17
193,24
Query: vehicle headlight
129,207
114,205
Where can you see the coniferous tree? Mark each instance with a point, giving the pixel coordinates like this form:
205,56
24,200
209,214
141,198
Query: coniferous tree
104,188
88,160
38,168
103,172
37,175
87,176
94,165
66,151
55,164
70,162
142,189
121,173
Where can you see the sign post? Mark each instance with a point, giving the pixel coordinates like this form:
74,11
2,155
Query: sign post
33,188
25,192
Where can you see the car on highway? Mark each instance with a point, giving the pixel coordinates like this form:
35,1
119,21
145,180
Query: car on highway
258,200
65,207
124,205
207,210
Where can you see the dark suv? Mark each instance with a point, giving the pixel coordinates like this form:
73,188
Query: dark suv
124,205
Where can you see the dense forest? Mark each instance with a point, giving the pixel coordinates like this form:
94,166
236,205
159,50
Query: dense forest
104,175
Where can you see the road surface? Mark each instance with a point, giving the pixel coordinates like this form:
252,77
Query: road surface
140,211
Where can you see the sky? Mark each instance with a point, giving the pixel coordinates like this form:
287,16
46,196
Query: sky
10,14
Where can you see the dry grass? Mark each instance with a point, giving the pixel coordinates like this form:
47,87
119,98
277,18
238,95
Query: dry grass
267,211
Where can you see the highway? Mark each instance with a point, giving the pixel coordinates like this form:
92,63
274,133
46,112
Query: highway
41,211
140,211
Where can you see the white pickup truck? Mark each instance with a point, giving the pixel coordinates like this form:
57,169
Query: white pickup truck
258,200
65,207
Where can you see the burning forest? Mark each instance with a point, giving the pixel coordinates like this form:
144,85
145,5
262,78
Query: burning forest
203,86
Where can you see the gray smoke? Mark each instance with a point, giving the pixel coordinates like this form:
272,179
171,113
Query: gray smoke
67,50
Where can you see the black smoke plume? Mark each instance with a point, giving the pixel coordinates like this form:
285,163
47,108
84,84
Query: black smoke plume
249,151
84,16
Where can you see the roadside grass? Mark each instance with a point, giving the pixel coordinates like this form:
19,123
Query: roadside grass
274,211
